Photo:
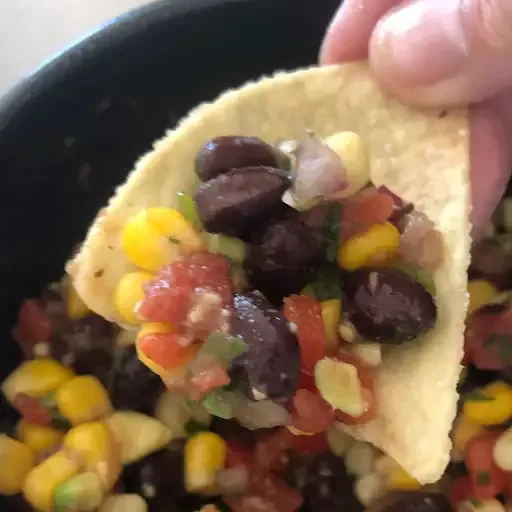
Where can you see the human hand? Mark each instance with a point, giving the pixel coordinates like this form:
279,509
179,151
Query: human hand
441,53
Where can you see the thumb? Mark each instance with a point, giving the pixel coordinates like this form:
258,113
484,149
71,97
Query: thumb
444,52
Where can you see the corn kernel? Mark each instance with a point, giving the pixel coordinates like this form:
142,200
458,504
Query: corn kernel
36,378
379,242
480,292
82,493
129,292
463,431
83,399
96,444
124,503
354,155
493,406
76,307
37,437
145,246
16,460
42,481
399,479
205,454
331,311
127,426
173,225
157,236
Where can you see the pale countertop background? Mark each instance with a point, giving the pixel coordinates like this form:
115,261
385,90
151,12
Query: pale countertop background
31,31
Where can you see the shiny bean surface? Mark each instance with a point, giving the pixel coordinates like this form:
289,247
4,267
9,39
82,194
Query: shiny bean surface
386,305
223,154
270,368
232,202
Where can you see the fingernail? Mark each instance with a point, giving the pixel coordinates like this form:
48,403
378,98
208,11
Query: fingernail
420,43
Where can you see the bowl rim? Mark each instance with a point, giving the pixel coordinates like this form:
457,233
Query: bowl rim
84,48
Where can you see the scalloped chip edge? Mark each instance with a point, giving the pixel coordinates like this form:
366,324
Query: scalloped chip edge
422,155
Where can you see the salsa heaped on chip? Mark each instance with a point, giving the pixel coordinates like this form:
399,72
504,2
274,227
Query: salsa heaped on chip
295,254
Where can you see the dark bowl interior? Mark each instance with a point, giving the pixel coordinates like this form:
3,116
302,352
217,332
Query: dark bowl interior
71,132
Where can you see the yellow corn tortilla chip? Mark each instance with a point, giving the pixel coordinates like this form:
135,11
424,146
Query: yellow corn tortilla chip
422,155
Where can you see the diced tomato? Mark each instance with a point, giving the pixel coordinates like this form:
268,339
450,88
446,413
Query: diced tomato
32,410
164,349
33,324
366,379
171,295
461,490
306,313
215,376
488,341
307,381
312,414
238,454
487,479
270,451
266,493
316,443
363,210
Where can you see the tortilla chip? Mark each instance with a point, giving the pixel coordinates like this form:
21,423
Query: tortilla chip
421,155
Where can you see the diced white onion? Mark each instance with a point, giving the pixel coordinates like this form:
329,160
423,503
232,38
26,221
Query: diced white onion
360,459
339,442
369,488
502,451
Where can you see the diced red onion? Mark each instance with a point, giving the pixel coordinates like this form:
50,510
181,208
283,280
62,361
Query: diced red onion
319,172
420,243
232,480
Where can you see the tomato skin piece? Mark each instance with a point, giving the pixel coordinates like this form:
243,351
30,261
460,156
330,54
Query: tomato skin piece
33,323
270,451
164,349
32,410
238,454
210,378
480,328
487,480
461,490
364,209
170,296
367,381
266,493
306,313
312,414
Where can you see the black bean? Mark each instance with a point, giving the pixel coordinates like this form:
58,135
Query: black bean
387,305
133,385
412,501
225,153
281,257
270,368
86,345
159,479
232,202
323,482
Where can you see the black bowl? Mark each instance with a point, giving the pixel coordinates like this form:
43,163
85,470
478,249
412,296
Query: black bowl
70,133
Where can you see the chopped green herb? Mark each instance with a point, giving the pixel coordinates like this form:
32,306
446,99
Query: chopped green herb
232,248
327,284
188,208
477,396
476,503
308,291
483,478
224,347
418,274
502,344
218,403
174,241
193,427
331,232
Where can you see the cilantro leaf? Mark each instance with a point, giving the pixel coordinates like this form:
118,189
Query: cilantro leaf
331,232
327,283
